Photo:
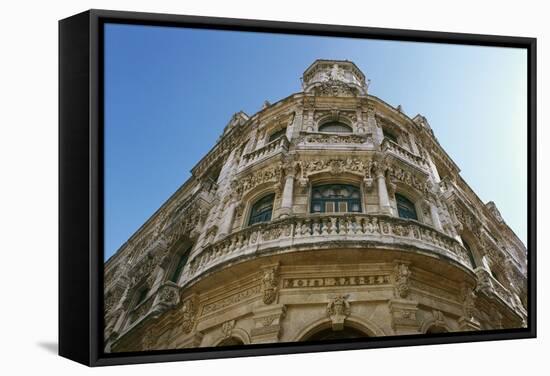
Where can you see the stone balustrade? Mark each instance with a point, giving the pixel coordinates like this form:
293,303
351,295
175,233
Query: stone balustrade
400,152
272,148
325,231
490,285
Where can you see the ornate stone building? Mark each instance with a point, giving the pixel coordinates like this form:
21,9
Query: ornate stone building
329,214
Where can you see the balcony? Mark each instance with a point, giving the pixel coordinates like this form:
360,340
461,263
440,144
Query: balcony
491,287
266,151
293,234
400,152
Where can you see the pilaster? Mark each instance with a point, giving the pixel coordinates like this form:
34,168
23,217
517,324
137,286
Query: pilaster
403,316
267,324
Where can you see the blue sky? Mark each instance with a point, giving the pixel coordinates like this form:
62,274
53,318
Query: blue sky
169,92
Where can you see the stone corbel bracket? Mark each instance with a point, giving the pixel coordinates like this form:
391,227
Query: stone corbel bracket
168,296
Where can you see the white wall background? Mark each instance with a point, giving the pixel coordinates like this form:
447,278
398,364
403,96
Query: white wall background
28,186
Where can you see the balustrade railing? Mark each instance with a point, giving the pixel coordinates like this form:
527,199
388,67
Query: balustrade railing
489,284
316,229
269,149
399,151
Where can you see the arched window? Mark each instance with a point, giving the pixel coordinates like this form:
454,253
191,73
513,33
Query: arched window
335,126
278,134
470,254
405,208
389,135
142,294
335,198
261,210
182,260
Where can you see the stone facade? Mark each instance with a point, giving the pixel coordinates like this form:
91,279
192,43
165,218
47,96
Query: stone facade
199,272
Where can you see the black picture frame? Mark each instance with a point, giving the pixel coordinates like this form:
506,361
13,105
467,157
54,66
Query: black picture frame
81,184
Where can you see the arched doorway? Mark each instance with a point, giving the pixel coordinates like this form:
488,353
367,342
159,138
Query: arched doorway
231,341
329,334
436,329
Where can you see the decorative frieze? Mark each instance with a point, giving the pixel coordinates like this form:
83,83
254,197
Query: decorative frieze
317,138
336,166
271,174
230,300
362,280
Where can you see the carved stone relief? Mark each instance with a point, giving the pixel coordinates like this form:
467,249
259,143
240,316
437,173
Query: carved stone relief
270,284
402,280
189,313
338,309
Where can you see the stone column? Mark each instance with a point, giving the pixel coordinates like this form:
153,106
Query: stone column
251,146
227,219
435,174
288,192
291,127
435,216
383,198
414,147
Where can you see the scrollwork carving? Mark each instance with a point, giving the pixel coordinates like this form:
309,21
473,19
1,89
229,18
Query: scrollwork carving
402,280
270,283
227,328
468,302
188,314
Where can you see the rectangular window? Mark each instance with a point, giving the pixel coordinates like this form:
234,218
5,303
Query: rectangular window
329,207
343,207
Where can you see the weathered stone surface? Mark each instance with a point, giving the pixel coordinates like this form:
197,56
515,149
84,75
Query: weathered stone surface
456,267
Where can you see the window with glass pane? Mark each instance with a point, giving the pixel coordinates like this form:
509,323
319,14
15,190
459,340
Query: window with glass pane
335,126
278,134
335,198
470,254
261,210
390,136
179,267
405,208
142,295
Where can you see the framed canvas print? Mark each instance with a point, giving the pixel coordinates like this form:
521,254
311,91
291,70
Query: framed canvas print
241,187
